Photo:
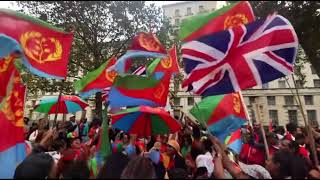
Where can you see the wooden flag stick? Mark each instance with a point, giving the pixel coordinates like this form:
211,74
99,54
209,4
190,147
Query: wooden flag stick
309,128
263,132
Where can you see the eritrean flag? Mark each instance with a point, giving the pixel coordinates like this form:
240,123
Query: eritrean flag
222,114
12,145
46,48
166,65
133,90
234,141
224,18
97,80
143,45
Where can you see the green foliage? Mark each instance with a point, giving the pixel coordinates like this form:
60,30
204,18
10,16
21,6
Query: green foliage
299,66
102,29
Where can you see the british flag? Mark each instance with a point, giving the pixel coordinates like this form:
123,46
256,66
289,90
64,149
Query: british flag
105,93
241,57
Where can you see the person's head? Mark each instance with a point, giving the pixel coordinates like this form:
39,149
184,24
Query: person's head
113,166
58,145
280,130
177,173
207,144
164,138
292,128
36,165
256,126
75,143
272,138
43,124
279,166
187,140
73,118
173,148
77,169
139,168
300,138
201,173
196,132
284,145
26,120
253,172
197,149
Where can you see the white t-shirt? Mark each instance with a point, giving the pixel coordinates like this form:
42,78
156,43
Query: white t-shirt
33,136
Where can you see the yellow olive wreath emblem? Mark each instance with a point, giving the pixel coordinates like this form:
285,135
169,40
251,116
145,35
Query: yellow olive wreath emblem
41,49
111,75
4,64
235,20
236,102
149,42
166,62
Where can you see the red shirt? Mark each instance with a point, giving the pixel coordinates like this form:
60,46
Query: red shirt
252,155
304,152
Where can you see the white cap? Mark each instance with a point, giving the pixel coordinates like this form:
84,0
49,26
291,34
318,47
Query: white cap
205,161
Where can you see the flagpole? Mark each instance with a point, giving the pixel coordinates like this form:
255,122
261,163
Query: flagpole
311,139
58,106
263,132
245,109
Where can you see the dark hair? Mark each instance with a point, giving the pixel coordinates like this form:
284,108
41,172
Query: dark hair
177,173
196,132
280,130
200,172
291,127
113,166
195,151
300,167
37,165
58,144
76,170
284,160
207,145
139,168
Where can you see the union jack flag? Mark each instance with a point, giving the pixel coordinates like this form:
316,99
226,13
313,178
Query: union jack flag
241,57
105,93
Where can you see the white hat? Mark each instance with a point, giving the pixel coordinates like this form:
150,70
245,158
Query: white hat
205,161
255,171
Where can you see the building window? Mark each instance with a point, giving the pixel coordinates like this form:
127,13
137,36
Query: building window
312,117
289,100
282,83
271,100
252,100
190,101
265,86
273,115
308,99
252,115
189,13
313,71
293,116
316,82
176,22
299,84
201,9
177,101
177,13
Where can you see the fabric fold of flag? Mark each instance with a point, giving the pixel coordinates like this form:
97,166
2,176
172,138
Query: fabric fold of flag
143,45
12,146
221,19
222,114
95,81
133,90
241,57
44,45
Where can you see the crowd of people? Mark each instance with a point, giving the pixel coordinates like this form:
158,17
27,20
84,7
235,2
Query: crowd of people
69,150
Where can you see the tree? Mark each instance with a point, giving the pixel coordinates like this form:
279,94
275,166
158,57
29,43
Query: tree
102,29
305,18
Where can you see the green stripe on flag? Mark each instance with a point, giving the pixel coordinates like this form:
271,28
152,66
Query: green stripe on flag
158,125
91,76
204,109
129,110
190,25
153,66
135,82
